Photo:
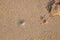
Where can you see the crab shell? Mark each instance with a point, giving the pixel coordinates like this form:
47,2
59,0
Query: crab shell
55,10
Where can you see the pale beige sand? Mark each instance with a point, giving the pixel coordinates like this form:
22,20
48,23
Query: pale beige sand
12,11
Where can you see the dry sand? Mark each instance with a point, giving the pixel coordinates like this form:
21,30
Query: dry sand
34,26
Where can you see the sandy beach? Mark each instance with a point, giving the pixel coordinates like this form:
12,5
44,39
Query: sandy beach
29,20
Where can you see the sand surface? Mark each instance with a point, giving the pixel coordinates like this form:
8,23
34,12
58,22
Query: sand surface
33,26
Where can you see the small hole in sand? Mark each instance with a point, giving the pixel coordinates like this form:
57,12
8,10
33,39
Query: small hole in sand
22,22
41,17
44,21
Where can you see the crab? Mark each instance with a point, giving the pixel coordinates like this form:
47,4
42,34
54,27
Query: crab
53,6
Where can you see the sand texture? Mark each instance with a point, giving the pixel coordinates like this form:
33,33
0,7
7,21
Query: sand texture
29,20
